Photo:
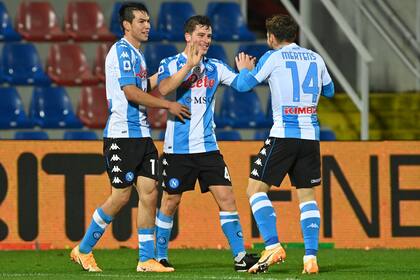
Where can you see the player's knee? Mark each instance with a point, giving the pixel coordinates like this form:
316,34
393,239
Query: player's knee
227,202
170,204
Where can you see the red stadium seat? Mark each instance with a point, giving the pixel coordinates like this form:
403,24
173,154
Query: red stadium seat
37,21
99,64
92,109
84,21
157,117
67,65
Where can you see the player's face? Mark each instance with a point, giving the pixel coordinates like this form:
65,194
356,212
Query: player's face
201,37
140,26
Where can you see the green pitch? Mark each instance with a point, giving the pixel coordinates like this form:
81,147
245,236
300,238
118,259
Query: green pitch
213,264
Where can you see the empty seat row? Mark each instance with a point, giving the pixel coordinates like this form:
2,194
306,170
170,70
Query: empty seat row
85,21
67,135
67,65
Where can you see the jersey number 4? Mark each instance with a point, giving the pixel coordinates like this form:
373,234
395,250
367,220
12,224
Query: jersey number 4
310,83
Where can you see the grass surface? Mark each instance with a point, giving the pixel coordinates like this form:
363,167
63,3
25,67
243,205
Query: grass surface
213,264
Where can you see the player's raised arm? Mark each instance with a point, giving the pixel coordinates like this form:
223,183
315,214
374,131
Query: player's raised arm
136,95
170,83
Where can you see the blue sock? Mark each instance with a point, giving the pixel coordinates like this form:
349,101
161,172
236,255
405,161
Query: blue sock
146,243
233,231
310,221
163,233
265,217
97,227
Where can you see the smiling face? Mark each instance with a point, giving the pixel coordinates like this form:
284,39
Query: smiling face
137,31
200,37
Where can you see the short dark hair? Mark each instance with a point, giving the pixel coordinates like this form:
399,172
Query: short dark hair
193,21
283,27
126,11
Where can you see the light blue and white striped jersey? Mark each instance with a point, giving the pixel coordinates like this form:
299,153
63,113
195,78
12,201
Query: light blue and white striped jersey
197,92
297,77
125,65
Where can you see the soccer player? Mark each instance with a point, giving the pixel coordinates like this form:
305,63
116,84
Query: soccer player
130,154
297,78
190,147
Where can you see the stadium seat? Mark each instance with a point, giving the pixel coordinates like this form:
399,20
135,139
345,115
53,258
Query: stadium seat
37,21
7,32
157,116
228,135
80,135
31,135
217,51
261,134
256,50
22,65
11,110
115,26
154,53
92,108
241,110
171,19
84,21
51,108
99,63
326,134
228,22
67,65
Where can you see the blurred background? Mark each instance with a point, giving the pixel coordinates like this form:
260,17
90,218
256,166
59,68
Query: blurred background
52,64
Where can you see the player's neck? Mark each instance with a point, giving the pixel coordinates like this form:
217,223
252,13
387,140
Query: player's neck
133,42
282,44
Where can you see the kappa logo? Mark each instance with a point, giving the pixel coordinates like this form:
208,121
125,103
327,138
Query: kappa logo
164,172
268,142
258,162
313,225
116,180
116,169
263,151
124,54
255,173
115,158
114,147
164,162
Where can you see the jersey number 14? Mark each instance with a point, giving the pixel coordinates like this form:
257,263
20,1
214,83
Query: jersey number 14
310,83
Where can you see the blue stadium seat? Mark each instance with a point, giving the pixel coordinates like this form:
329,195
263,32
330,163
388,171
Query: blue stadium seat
31,135
154,53
261,134
241,110
171,19
115,26
22,65
326,134
7,32
228,135
80,135
256,50
217,51
11,110
51,108
228,22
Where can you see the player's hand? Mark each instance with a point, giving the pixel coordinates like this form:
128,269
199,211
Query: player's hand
194,55
179,110
243,61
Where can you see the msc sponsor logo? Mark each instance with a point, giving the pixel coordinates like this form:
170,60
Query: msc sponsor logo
291,110
199,99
